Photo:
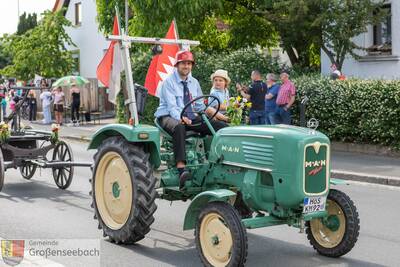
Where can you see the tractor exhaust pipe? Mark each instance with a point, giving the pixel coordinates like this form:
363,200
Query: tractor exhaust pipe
303,105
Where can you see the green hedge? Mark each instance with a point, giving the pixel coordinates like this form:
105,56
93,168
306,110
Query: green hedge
364,111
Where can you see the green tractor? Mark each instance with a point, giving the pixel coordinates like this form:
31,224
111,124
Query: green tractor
243,177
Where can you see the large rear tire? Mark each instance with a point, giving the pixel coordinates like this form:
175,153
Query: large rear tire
337,234
221,237
123,187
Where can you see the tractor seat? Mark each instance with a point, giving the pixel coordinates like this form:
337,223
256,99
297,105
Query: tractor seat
168,136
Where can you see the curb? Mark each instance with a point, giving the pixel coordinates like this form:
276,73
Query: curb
367,178
77,138
366,149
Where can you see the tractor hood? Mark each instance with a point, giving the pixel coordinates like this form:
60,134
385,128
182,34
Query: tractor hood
280,130
263,147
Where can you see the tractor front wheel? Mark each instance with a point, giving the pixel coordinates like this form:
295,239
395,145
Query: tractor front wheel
123,190
221,237
335,235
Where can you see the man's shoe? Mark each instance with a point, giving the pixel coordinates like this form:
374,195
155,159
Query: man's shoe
183,178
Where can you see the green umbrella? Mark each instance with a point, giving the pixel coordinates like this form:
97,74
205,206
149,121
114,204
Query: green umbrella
70,80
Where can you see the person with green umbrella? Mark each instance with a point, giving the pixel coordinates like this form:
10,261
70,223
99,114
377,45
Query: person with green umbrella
73,82
75,104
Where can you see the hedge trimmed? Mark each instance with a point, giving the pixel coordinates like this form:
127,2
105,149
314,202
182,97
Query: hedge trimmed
364,111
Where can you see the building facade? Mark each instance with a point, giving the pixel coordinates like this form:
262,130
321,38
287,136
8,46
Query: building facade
382,58
89,50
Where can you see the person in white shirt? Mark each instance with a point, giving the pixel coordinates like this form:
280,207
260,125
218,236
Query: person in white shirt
335,73
46,98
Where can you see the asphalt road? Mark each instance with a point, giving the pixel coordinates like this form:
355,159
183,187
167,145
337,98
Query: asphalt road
37,209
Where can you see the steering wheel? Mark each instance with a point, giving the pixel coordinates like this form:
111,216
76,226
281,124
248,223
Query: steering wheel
201,112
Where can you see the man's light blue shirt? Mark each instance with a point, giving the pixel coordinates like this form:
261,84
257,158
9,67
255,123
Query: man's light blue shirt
171,96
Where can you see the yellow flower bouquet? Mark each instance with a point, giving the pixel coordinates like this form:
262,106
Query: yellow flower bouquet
4,132
54,135
236,109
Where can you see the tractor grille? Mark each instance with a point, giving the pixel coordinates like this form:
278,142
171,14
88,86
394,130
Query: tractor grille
316,168
259,154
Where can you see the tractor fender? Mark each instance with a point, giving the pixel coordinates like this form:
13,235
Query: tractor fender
201,200
142,134
335,181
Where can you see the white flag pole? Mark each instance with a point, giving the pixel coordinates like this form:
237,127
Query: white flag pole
126,16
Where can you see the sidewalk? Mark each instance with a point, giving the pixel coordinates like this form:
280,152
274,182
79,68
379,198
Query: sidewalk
345,165
365,168
79,133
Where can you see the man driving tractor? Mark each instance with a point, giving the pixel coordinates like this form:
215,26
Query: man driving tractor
178,90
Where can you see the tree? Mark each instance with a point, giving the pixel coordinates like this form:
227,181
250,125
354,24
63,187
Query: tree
40,50
303,27
5,58
26,23
219,25
298,28
343,20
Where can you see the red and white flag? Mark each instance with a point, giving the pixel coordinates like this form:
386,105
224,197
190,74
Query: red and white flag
110,67
162,65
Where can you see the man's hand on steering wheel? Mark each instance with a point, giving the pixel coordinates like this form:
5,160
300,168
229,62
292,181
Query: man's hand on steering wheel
186,120
207,104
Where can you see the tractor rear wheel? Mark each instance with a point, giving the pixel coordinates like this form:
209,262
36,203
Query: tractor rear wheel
123,190
221,237
335,235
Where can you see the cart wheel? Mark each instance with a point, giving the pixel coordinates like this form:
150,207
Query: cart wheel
221,237
337,234
63,175
28,170
1,170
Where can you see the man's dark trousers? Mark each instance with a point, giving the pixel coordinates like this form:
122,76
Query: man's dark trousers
257,117
178,132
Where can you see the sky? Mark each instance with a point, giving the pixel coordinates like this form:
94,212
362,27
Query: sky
9,12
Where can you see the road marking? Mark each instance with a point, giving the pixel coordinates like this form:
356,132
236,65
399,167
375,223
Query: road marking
32,260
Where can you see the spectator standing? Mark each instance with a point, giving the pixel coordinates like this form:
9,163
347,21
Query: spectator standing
13,97
4,106
32,105
256,94
46,98
59,98
335,73
76,103
285,99
270,99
